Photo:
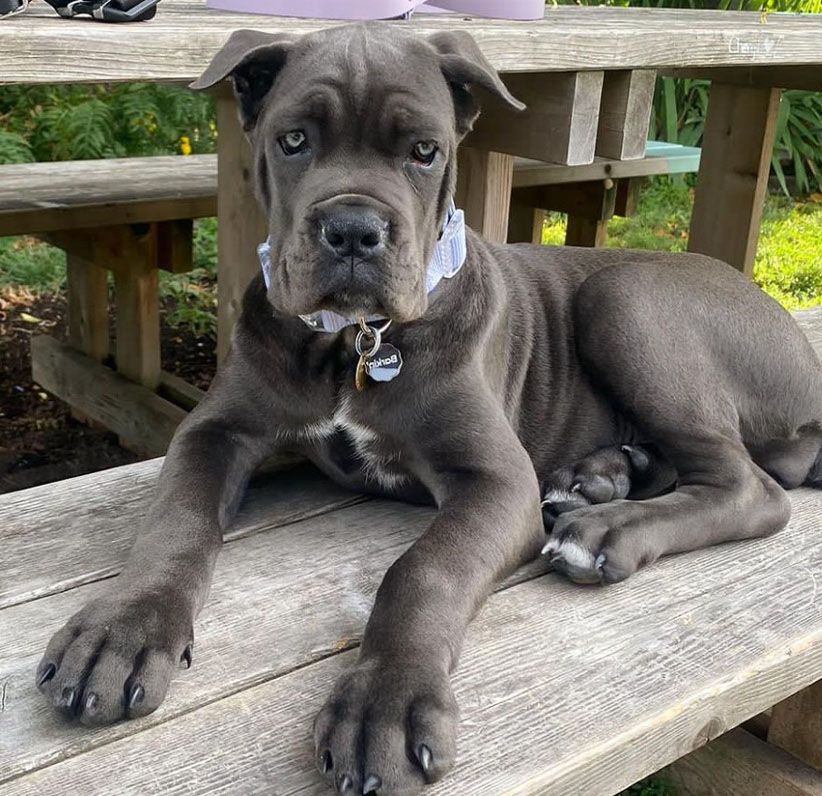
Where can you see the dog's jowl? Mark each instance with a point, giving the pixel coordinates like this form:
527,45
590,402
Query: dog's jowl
655,403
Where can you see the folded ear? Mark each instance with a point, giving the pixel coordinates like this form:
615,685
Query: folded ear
252,59
463,65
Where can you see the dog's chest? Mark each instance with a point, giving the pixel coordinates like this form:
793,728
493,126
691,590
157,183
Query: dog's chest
355,450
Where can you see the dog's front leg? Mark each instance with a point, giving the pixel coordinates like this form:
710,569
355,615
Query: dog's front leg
389,726
115,657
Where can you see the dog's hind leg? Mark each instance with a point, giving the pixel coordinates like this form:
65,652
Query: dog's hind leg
795,461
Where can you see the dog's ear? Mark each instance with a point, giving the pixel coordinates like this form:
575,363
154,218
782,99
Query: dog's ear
464,65
252,59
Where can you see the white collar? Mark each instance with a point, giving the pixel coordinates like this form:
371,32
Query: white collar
448,257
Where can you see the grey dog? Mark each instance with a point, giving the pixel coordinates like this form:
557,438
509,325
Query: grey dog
576,371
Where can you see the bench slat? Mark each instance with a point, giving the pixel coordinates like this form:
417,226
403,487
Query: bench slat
564,690
46,197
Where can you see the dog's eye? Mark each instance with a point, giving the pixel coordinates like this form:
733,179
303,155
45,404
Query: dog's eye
424,152
294,142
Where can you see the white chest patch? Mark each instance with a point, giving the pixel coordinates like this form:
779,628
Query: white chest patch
376,460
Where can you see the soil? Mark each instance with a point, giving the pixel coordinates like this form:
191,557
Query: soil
40,441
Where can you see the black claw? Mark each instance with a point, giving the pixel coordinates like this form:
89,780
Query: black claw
186,656
91,702
136,696
326,763
48,673
68,697
425,758
371,784
345,784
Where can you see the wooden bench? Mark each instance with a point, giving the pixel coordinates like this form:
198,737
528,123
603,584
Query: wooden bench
130,217
563,689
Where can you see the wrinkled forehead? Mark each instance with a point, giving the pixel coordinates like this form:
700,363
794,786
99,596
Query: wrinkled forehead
358,72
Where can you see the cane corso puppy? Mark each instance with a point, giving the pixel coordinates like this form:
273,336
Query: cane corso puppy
582,373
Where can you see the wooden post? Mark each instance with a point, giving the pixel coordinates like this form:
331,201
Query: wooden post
583,231
484,191
627,97
87,307
733,173
738,764
239,219
525,224
796,725
138,324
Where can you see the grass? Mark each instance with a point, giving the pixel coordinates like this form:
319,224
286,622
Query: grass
789,257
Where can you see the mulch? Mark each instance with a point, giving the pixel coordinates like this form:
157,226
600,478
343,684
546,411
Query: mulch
40,441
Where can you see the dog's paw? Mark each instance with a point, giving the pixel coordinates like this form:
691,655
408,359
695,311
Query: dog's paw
600,544
387,730
115,657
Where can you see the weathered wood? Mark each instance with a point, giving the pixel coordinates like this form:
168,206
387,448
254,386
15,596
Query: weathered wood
540,713
130,410
627,97
525,224
241,223
738,764
484,191
627,196
660,158
87,299
559,123
582,231
183,37
179,391
50,197
136,298
809,78
593,200
733,174
796,726
175,245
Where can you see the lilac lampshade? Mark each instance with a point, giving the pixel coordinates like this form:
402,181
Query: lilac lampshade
384,9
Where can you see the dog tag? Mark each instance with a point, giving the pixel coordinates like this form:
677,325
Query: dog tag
384,365
359,378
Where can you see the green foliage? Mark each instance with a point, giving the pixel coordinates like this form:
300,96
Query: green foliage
47,123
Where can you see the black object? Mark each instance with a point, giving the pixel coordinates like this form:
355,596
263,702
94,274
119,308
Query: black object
101,10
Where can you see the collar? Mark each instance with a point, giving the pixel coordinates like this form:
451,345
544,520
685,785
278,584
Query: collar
448,257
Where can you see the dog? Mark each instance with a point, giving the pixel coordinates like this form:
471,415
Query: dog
406,356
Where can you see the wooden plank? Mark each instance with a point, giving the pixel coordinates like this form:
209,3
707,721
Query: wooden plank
484,191
733,174
175,245
182,38
808,79
525,224
627,97
49,197
241,223
128,409
738,764
685,672
582,231
53,543
666,159
559,123
137,307
796,726
179,391
87,298
593,200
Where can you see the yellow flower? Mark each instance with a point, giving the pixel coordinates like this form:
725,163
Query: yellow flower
185,145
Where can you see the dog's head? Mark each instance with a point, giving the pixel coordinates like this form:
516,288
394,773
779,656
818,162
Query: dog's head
354,131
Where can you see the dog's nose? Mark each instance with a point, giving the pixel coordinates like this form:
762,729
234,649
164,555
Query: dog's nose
354,232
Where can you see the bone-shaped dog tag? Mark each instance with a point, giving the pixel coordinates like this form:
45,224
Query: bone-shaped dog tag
384,365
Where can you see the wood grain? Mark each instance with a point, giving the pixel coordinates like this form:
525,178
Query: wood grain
525,224
738,764
484,191
87,299
582,231
241,222
627,97
137,305
733,174
695,643
178,44
809,78
796,725
559,123
48,197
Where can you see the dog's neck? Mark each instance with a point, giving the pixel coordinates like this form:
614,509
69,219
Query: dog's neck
446,260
